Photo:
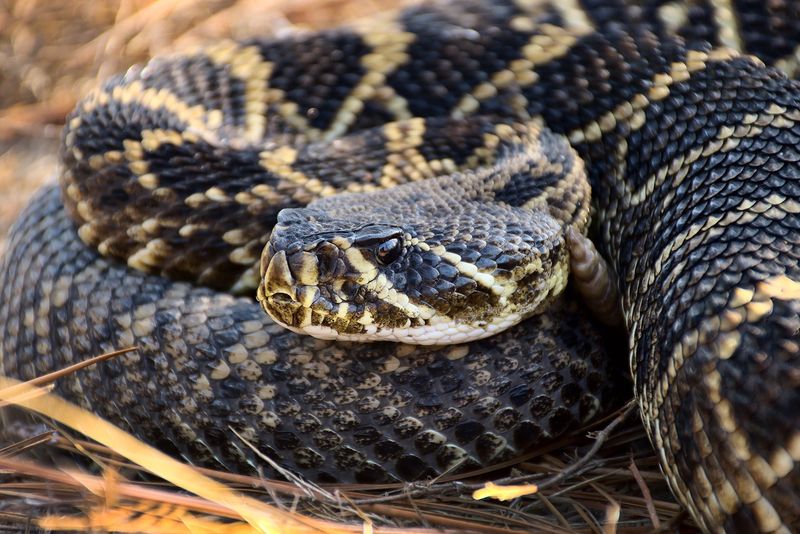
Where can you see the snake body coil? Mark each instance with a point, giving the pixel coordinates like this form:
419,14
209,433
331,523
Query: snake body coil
690,148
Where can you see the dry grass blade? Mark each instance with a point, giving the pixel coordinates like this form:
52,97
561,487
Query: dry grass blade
55,375
18,394
651,509
29,443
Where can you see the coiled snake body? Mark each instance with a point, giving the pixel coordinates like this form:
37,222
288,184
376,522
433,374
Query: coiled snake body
690,148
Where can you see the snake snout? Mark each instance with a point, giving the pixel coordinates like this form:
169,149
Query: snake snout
293,287
277,278
279,293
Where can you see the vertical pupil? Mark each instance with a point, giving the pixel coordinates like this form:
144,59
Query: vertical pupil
387,250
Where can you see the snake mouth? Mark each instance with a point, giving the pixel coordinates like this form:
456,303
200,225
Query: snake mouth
309,293
325,313
282,299
294,293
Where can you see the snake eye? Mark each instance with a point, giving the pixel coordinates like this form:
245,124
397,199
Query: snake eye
388,251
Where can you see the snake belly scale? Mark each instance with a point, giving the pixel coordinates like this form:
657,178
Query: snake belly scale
689,139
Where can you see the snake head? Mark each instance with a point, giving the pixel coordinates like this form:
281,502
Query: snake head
374,268
330,278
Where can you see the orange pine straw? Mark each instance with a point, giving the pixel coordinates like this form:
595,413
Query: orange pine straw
144,517
504,493
125,502
260,516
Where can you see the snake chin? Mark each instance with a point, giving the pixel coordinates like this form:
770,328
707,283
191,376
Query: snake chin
438,333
